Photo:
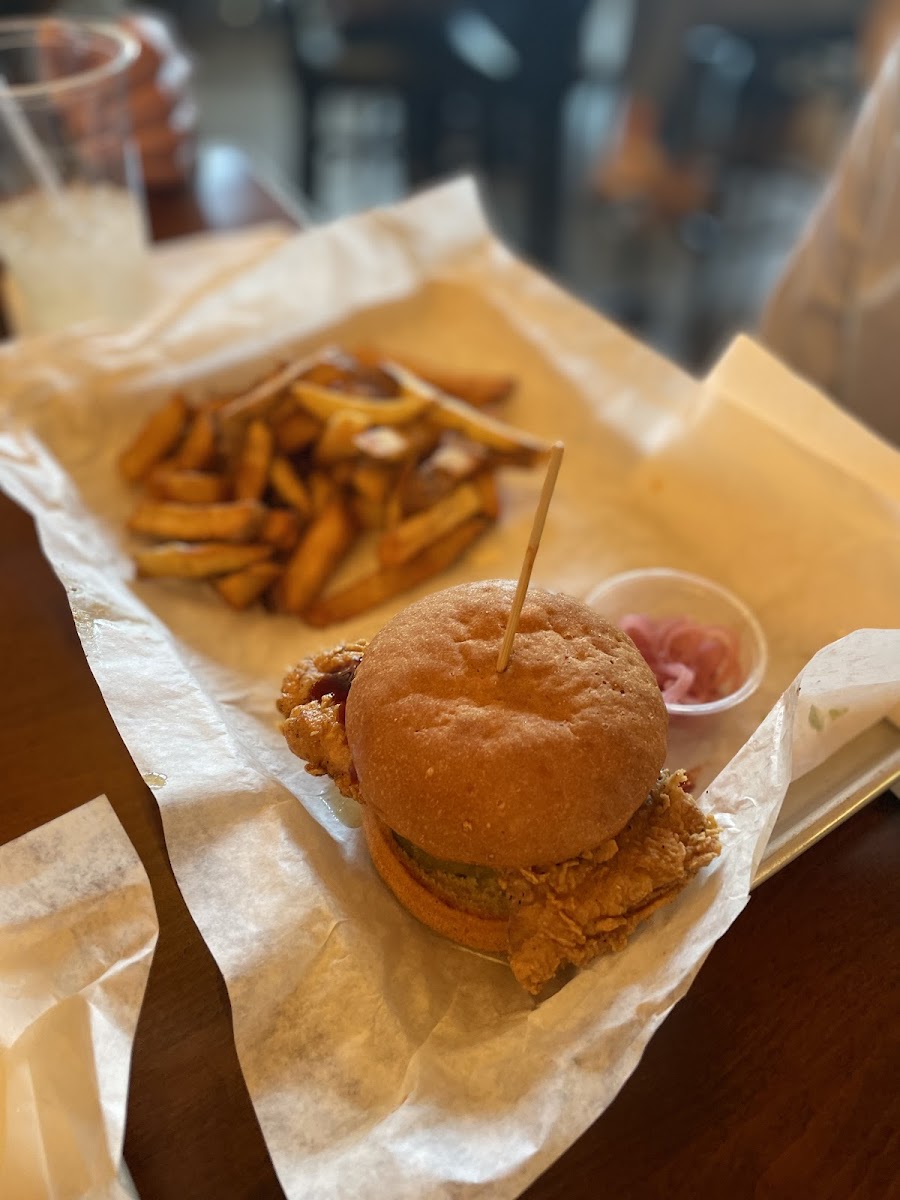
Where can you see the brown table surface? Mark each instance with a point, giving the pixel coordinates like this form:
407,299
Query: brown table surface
776,1075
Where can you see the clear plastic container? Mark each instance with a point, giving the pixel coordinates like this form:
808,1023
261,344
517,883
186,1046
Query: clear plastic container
661,592
72,227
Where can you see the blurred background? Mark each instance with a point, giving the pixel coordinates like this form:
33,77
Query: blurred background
658,157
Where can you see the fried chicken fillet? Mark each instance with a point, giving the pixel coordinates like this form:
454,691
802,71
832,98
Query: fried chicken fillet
545,917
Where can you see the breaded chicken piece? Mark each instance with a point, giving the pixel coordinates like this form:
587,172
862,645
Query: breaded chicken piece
574,911
563,915
312,700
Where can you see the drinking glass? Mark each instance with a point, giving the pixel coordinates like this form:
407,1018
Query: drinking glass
72,222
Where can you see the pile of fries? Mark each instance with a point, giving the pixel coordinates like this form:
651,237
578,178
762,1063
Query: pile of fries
264,494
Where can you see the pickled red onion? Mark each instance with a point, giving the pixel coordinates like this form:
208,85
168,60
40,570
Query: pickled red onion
693,663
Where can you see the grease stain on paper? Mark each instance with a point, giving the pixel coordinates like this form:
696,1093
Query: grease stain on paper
817,718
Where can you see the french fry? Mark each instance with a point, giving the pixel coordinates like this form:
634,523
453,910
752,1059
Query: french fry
474,387
387,582
341,473
369,514
156,439
284,408
423,438
330,371
265,492
243,588
371,481
345,373
190,487
324,403
412,536
324,543
454,460
457,458
296,432
289,486
338,439
232,521
393,507
252,472
322,490
197,560
281,529
213,404
490,498
262,397
198,450
515,446
382,443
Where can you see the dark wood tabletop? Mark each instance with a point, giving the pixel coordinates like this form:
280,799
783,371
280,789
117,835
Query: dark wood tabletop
775,1077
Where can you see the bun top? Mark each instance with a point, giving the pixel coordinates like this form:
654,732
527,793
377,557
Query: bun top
525,768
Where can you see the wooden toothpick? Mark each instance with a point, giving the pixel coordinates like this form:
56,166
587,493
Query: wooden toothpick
534,541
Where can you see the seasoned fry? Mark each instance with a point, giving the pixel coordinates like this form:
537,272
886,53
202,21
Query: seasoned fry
190,487
243,588
197,560
289,486
198,450
233,521
252,473
324,543
296,432
477,388
158,437
338,440
324,403
281,529
384,584
412,536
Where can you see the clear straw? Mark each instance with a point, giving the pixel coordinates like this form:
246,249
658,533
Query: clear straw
27,143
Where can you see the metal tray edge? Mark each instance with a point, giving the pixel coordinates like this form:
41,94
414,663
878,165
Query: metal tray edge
876,777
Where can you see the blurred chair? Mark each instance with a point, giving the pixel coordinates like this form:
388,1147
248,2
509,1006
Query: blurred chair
502,57
742,86
732,115
741,92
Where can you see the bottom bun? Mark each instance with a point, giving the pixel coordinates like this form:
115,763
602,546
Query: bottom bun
477,931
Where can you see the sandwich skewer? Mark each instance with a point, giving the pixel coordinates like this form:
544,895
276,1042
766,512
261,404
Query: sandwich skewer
534,541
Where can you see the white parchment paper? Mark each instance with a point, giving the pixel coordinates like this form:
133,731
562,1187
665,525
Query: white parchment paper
382,1060
77,934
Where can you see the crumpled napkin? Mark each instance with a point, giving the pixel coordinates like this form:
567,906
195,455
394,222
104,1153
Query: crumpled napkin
77,932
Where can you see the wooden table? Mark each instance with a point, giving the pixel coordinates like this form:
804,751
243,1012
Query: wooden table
775,1077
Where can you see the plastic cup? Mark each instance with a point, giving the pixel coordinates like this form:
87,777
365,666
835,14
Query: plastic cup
662,592
72,226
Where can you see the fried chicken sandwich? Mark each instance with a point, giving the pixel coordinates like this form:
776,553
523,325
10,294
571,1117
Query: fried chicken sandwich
525,812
